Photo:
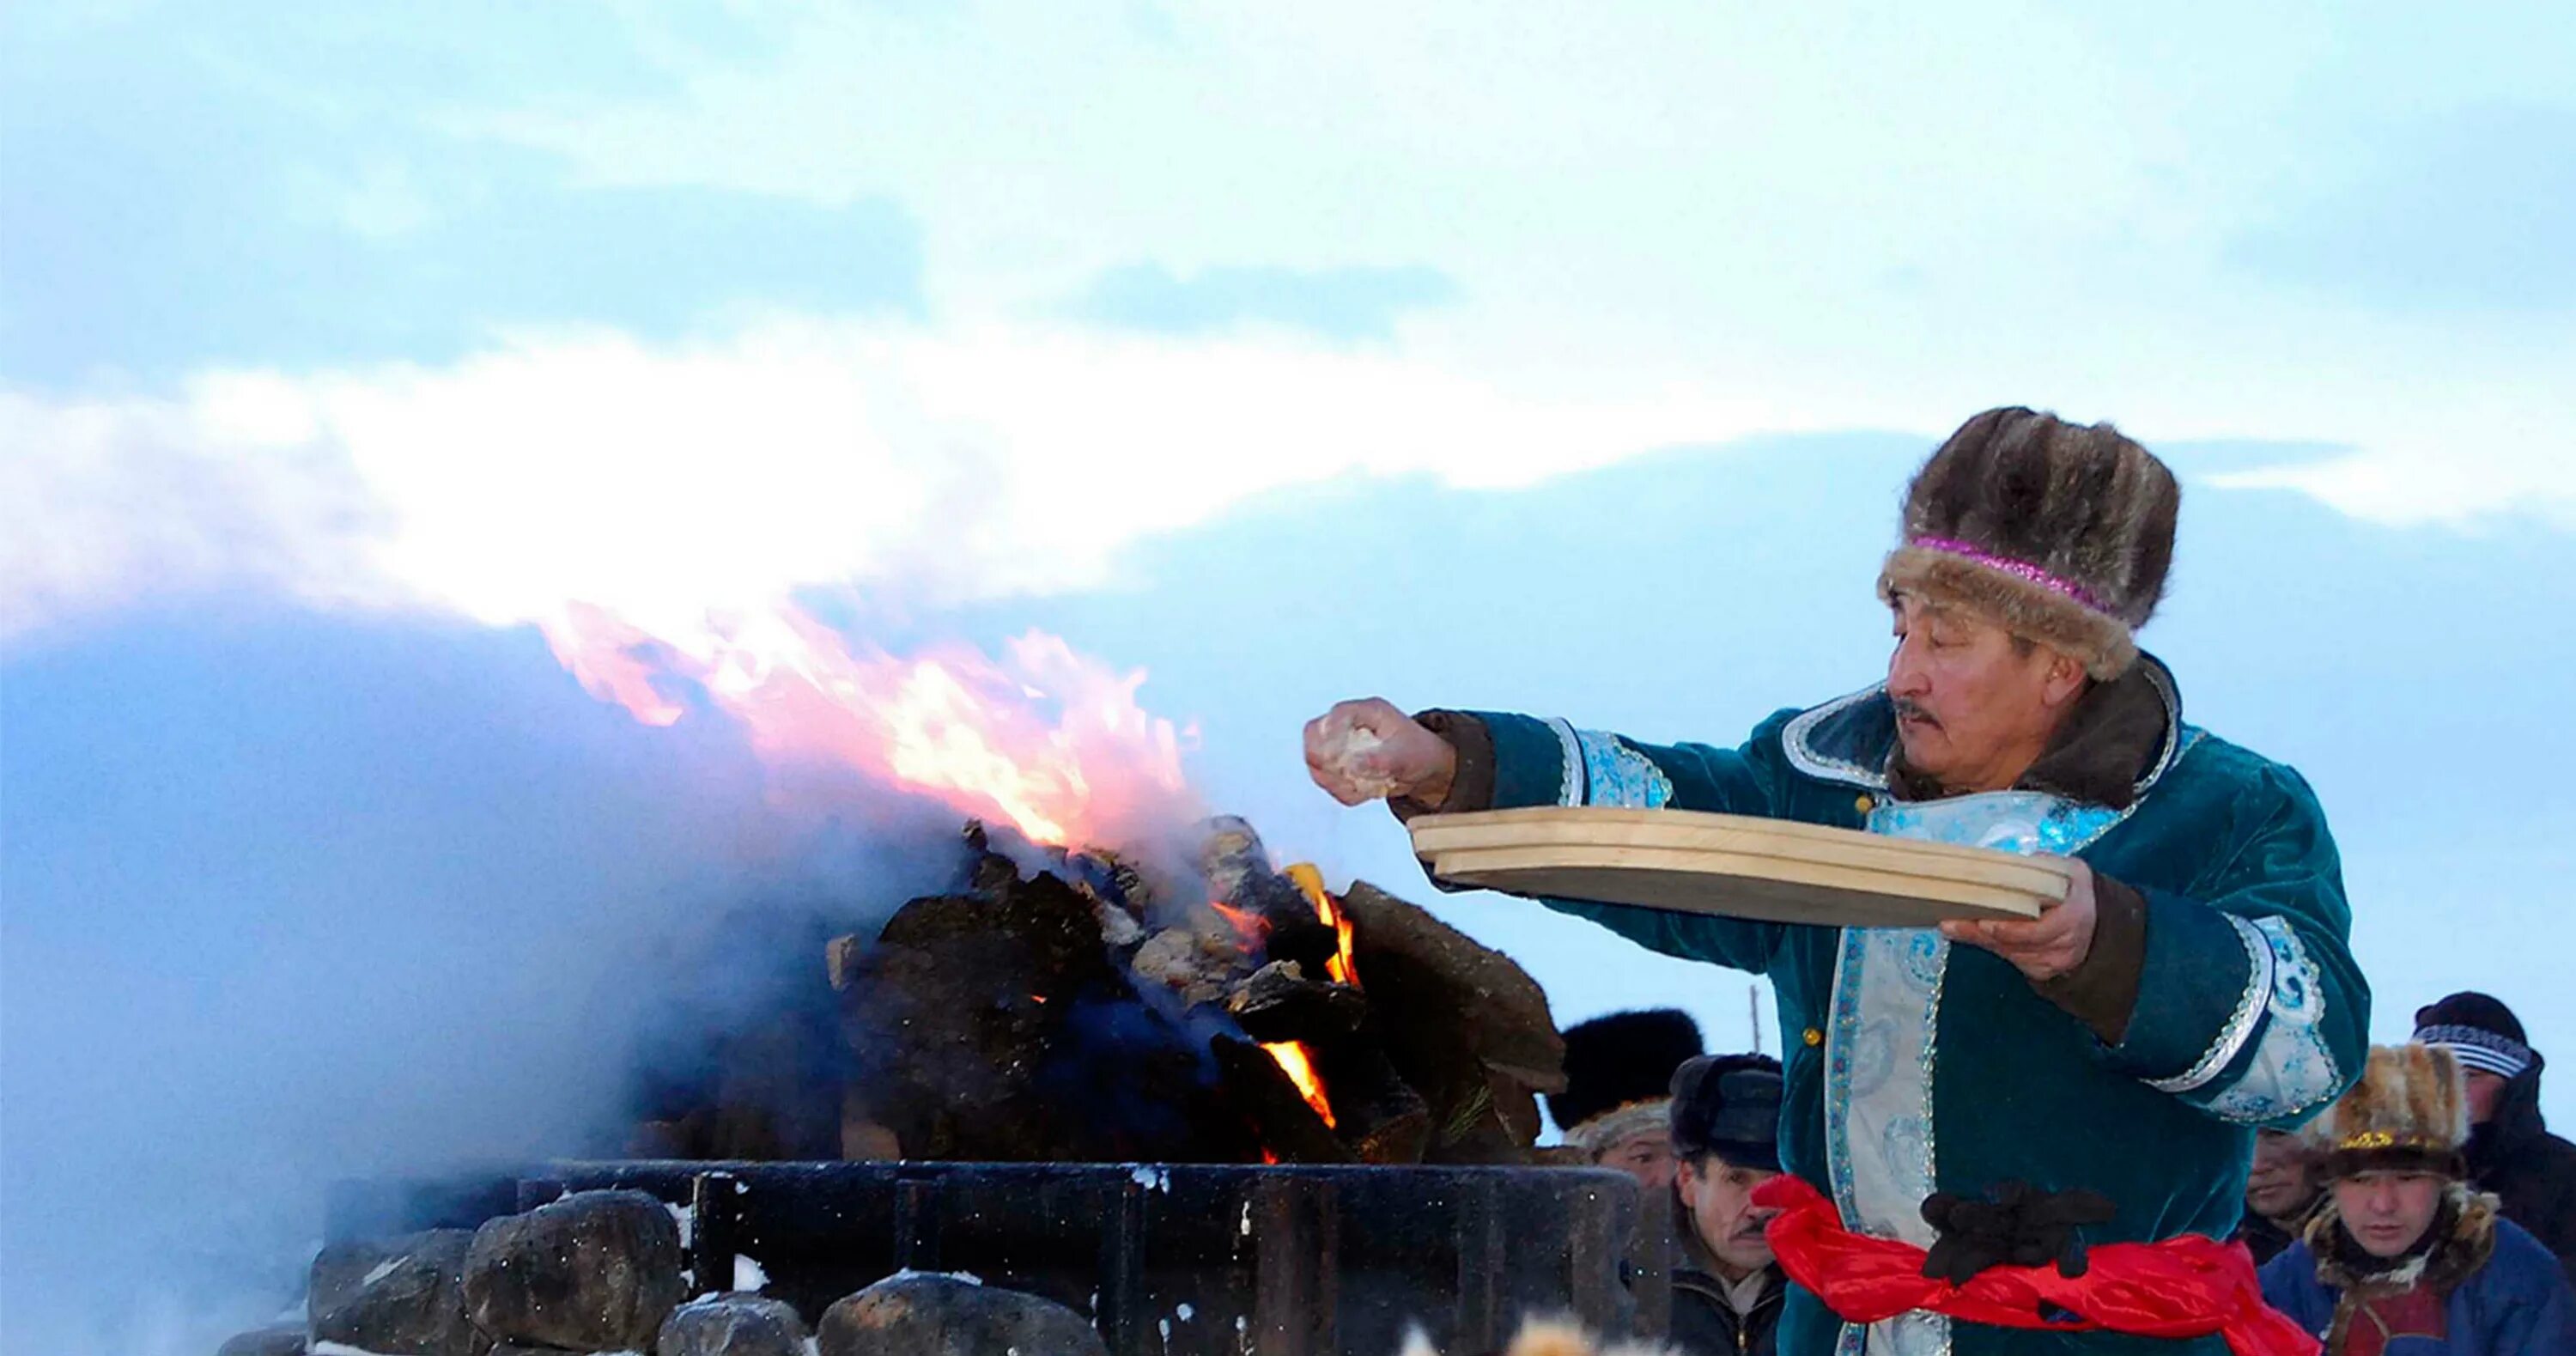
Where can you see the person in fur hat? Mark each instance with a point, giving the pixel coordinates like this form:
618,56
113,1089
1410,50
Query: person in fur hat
2404,1258
1617,1072
2091,1077
1727,1288
2511,1152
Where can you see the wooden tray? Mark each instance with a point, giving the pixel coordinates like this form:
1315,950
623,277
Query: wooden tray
1771,869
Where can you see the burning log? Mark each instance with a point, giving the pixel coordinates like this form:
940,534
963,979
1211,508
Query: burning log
1278,1003
1465,1026
1199,966
1286,1125
1377,1114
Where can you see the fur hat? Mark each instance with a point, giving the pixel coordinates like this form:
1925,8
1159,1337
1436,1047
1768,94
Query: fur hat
2480,1030
1617,1072
2409,1113
1728,1106
1547,1337
2061,532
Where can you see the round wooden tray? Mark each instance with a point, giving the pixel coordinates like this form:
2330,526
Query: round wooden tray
1771,869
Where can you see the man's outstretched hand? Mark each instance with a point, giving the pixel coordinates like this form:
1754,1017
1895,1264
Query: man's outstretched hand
2048,946
1368,750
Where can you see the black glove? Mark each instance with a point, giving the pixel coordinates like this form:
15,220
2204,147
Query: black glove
2020,1226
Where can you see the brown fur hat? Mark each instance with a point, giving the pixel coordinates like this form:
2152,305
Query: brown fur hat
2409,1113
2067,530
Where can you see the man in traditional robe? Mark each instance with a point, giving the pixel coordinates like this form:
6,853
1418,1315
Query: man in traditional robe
2112,1058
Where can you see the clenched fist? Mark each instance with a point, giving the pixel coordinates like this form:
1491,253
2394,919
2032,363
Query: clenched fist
1368,750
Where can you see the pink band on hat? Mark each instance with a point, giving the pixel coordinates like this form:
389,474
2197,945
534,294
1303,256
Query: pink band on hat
2018,569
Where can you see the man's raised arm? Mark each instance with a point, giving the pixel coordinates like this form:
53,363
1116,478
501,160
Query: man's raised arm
1454,762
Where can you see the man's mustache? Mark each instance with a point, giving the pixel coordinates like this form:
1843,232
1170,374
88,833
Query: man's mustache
1909,709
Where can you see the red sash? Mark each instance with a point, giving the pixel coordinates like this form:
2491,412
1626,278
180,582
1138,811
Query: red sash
2187,1286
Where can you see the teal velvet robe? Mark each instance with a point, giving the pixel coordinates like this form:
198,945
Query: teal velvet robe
1915,1066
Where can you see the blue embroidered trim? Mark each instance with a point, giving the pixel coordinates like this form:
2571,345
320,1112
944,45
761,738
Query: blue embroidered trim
2293,1070
1569,786
1839,1032
2240,1024
1615,774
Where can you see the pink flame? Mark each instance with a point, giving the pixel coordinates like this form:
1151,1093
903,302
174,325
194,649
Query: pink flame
1045,738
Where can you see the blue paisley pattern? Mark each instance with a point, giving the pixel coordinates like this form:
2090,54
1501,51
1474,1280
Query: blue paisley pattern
1615,774
2292,1071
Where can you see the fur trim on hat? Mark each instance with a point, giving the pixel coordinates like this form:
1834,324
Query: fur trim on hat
1619,1060
2101,643
1606,1131
2409,1112
1547,1337
2043,500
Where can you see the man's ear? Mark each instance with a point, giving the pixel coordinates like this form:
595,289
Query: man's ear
2065,679
1686,1175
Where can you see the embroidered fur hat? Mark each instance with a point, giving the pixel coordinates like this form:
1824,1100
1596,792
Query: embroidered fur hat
2061,532
1617,1072
2409,1113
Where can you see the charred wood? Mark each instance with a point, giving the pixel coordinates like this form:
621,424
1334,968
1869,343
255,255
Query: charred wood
1278,1003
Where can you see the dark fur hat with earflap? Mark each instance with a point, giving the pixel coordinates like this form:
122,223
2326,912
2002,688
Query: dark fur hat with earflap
1619,1068
2060,532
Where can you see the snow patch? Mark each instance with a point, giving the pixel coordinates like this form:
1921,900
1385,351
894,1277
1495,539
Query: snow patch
685,1216
383,1269
1152,1178
748,1277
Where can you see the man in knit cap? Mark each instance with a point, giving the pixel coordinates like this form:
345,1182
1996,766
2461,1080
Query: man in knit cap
2093,1076
1618,1070
2404,1258
2511,1152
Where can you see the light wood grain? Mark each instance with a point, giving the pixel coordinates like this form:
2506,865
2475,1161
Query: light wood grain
1769,869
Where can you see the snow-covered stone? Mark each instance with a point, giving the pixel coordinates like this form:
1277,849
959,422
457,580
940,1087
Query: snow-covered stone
595,1271
401,1294
732,1325
277,1341
944,1316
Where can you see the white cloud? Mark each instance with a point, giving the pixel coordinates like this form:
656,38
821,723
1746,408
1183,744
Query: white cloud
662,482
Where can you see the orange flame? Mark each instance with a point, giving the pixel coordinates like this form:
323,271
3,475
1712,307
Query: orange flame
1344,966
1251,930
1047,739
1300,1068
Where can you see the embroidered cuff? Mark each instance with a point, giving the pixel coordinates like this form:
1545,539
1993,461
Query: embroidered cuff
2102,992
2201,986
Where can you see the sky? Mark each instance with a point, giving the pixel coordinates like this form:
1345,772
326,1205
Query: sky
1510,358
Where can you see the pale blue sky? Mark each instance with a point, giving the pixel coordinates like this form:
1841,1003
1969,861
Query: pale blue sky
1482,356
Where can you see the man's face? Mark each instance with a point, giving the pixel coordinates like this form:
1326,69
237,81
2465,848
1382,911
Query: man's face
1646,1156
2283,1180
2387,1213
1719,1196
2485,1090
1972,706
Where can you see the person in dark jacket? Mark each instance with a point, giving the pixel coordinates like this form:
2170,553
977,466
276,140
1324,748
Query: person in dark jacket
2280,1194
2404,1258
1727,1289
2511,1152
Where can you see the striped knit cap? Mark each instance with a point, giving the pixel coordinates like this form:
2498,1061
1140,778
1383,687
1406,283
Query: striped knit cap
2479,1031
